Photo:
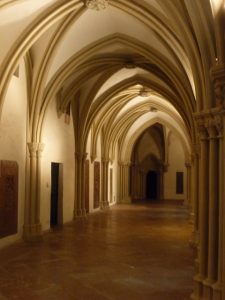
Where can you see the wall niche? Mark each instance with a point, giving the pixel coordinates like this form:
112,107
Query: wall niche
8,197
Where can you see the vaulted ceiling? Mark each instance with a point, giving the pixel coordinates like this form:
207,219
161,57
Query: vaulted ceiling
123,65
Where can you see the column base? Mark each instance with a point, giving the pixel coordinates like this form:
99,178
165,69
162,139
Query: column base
198,287
126,200
78,214
217,291
105,205
32,232
192,218
207,290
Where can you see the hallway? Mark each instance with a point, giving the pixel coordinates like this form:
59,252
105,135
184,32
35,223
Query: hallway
130,252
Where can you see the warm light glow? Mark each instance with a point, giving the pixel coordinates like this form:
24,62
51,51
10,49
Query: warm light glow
216,6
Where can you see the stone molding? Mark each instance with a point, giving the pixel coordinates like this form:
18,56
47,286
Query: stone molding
97,4
80,156
105,160
124,164
35,149
209,124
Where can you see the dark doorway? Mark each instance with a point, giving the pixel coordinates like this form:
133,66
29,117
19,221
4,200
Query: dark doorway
152,185
56,194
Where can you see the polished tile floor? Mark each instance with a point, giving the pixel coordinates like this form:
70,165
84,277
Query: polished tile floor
138,251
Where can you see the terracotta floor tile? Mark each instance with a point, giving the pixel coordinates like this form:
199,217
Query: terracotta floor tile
130,252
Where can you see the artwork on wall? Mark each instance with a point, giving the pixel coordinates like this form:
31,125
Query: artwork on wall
8,197
96,184
87,186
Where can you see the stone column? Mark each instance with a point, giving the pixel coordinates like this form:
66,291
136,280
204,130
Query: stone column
124,183
213,210
187,201
134,181
194,188
83,206
127,197
203,210
218,286
32,227
195,199
119,182
79,201
218,78
105,183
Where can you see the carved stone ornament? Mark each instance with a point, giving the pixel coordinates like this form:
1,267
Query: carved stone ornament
218,77
210,125
201,128
220,94
97,4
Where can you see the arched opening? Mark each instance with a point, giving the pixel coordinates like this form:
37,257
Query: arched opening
147,124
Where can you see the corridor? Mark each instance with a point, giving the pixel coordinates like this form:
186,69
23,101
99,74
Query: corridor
137,251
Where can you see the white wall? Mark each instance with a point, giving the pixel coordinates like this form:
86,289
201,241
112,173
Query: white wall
13,140
147,145
176,160
58,138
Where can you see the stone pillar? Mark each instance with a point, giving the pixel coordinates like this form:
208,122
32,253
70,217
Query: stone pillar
83,206
105,183
194,188
124,183
213,210
218,286
187,201
195,199
127,196
32,227
203,209
218,78
119,182
79,201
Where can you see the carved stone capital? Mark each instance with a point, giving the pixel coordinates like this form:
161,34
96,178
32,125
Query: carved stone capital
105,160
124,163
163,166
33,147
97,4
195,151
219,124
40,149
80,156
187,164
211,127
93,158
201,127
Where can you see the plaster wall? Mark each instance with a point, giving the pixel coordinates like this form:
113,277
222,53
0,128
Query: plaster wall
58,138
13,140
147,146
